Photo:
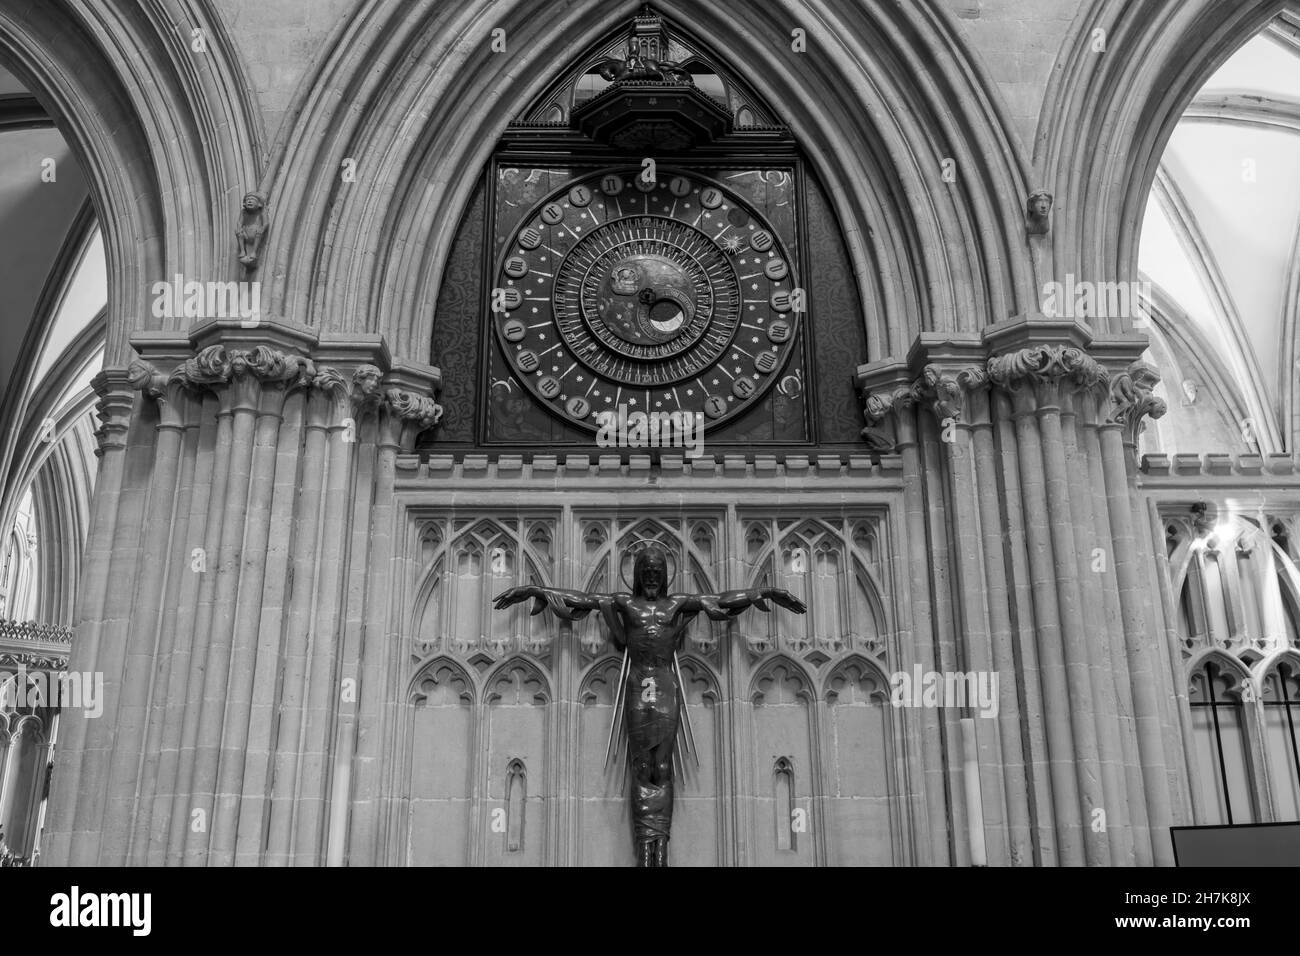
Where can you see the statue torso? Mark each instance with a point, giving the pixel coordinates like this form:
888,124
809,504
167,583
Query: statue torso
651,631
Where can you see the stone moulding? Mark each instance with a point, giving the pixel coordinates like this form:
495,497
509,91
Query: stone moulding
352,378
1047,371
34,631
34,645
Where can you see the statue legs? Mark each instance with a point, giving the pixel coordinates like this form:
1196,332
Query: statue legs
652,717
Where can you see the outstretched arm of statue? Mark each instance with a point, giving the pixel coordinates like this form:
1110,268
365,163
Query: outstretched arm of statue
567,605
720,607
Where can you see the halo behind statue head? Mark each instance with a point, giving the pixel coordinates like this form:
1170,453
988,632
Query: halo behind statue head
627,563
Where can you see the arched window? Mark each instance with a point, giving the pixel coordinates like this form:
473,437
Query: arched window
783,793
1218,727
1281,703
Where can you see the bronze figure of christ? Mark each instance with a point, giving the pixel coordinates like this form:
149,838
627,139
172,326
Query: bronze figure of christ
649,626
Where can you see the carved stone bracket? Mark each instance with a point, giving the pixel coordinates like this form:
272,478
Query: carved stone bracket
1132,400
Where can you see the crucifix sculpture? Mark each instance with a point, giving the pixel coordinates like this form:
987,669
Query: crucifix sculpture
649,627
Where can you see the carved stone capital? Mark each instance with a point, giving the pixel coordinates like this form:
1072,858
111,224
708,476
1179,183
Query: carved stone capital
1132,400
211,366
147,379
948,391
404,414
1046,372
879,405
345,377
169,393
411,407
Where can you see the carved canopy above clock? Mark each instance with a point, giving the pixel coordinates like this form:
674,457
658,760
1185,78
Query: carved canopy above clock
665,74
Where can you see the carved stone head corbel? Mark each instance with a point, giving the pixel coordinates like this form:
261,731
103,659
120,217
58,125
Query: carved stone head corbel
1038,211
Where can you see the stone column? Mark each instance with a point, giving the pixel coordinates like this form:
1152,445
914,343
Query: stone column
1040,539
1038,378
955,387
890,399
247,514
1130,402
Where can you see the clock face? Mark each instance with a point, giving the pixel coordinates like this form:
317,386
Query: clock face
664,296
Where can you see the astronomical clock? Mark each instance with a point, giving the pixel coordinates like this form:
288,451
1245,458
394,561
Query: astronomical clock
648,238
657,288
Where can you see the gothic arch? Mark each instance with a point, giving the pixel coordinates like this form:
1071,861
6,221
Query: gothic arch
527,669
168,143
1269,663
795,670
697,667
1226,662
1106,118
598,670
419,100
867,665
431,667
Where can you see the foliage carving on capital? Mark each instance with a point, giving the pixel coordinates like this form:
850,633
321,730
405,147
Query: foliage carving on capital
1132,400
211,366
411,407
879,405
216,365
1046,365
271,365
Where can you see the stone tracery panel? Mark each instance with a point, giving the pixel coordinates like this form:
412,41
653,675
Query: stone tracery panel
516,737
784,732
859,770
442,765
483,558
814,697
834,567
603,815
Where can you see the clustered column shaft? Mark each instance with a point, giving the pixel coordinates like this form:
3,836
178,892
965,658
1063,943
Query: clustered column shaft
231,614
1039,485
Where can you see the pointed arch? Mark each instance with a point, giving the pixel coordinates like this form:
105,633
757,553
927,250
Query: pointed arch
797,679
167,141
423,98
1124,104
866,667
1224,660
526,676
434,671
